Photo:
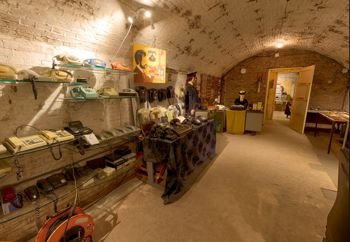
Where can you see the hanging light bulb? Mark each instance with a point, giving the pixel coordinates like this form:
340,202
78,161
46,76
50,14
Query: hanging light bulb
147,14
279,44
130,20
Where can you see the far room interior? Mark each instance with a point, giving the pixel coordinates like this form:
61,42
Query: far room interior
284,94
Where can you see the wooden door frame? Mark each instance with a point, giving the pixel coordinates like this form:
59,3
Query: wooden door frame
278,70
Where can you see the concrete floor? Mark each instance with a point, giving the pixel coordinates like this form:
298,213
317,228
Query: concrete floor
274,186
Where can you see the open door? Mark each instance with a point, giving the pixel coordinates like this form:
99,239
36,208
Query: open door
301,98
270,98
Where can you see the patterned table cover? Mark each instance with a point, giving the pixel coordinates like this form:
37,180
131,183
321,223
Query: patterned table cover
186,158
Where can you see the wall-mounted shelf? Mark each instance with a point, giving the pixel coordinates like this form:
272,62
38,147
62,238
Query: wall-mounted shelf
38,82
71,99
9,155
83,183
102,143
94,69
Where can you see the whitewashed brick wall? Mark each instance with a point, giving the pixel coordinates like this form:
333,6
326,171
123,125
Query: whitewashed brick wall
32,32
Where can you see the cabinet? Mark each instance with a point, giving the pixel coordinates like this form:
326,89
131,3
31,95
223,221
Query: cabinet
254,121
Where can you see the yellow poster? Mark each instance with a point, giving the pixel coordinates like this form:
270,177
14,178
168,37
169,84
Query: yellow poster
149,64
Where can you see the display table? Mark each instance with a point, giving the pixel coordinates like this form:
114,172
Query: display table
235,121
186,157
334,118
327,117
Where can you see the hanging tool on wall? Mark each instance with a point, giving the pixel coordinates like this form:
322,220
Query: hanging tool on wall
35,92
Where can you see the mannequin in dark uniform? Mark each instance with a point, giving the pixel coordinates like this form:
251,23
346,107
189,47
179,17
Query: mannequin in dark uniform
191,93
241,100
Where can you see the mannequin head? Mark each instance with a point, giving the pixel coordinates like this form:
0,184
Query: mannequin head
191,78
241,95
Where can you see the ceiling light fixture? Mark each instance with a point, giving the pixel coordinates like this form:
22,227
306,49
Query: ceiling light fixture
279,44
130,20
147,14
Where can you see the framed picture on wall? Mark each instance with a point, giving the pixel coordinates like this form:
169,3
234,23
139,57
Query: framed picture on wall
149,64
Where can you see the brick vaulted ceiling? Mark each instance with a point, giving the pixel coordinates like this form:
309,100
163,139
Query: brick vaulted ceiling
209,36
213,35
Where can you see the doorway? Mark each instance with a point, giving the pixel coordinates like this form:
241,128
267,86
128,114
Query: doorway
296,82
284,95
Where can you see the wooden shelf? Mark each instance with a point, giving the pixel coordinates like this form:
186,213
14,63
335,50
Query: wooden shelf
63,192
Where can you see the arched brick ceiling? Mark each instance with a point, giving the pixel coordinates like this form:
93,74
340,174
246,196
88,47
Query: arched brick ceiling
209,36
213,35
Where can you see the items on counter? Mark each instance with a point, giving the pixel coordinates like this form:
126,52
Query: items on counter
172,112
164,132
10,200
3,149
237,107
162,94
170,92
151,95
27,75
128,92
57,180
44,186
119,66
97,63
76,131
16,144
76,172
176,127
107,92
158,114
142,92
84,136
32,193
120,161
118,132
67,59
49,74
56,136
82,92
7,72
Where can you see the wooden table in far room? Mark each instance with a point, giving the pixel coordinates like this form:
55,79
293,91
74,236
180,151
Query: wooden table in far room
334,118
